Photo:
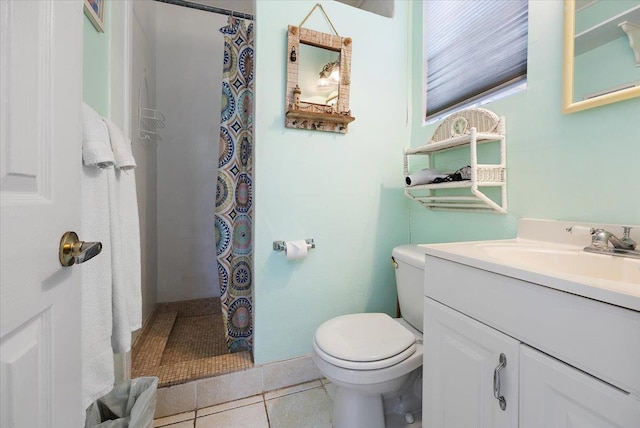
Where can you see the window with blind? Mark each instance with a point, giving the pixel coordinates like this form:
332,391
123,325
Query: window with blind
474,49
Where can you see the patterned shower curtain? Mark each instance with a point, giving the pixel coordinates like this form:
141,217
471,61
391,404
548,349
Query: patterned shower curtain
234,193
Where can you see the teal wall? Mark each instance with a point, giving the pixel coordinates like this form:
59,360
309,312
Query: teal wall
95,72
582,166
345,191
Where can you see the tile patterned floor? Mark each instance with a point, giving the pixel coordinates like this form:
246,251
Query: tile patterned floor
307,405
184,341
302,406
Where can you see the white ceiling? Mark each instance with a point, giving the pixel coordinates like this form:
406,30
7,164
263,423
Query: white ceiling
244,6
381,7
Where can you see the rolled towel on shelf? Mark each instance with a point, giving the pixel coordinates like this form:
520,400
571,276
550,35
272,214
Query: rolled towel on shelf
424,176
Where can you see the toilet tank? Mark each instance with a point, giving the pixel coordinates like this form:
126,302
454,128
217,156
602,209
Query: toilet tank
410,283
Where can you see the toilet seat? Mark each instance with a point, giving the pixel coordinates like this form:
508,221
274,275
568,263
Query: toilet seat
359,365
363,341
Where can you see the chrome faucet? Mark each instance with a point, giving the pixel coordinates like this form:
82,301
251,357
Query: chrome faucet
600,238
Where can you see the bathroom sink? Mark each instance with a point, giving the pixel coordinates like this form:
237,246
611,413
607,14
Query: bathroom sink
569,261
552,258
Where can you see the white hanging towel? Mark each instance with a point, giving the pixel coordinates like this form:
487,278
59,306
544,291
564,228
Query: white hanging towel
121,146
121,334
96,150
97,354
125,231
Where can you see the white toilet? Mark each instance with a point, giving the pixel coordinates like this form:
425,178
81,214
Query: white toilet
375,361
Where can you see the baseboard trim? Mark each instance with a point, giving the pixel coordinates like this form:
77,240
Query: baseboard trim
234,386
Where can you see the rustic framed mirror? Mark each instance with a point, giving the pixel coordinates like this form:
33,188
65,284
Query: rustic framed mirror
600,62
318,81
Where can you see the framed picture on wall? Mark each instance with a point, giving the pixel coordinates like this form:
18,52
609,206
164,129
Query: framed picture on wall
94,9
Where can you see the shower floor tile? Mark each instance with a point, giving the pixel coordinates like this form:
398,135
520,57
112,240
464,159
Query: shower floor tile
194,338
185,341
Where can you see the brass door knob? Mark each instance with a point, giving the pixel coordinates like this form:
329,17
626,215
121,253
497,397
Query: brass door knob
73,251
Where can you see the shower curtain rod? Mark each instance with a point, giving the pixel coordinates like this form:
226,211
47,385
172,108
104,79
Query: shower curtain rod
206,8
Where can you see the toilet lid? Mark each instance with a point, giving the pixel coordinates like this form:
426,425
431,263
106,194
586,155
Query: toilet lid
363,337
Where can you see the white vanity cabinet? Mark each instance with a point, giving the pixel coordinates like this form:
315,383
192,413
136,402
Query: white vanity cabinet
460,359
570,361
555,395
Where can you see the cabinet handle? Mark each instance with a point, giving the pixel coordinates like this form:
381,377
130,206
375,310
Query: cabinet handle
496,382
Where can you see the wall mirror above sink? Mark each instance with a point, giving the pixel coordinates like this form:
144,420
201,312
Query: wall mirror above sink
318,80
601,63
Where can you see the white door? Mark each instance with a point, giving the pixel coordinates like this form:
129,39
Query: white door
40,134
555,395
462,367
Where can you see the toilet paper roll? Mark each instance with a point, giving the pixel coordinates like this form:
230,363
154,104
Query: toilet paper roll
296,249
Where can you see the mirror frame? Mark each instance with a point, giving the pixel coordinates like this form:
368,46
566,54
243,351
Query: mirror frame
318,117
568,105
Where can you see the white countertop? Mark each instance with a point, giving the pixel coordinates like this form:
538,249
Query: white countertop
562,265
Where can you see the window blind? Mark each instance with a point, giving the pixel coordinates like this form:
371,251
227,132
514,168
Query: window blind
473,48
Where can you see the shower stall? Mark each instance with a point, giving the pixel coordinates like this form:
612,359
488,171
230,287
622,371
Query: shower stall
178,59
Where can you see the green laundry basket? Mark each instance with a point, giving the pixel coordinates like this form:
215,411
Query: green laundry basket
128,405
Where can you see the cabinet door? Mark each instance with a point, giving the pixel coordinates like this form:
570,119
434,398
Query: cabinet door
461,356
556,395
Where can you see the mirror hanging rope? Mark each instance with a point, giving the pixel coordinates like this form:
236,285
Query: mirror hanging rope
318,5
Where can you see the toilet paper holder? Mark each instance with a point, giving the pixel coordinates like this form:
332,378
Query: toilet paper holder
281,245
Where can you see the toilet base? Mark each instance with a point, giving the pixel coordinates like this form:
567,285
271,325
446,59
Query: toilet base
352,409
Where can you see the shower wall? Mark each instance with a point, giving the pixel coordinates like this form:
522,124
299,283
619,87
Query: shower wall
179,51
189,53
143,55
